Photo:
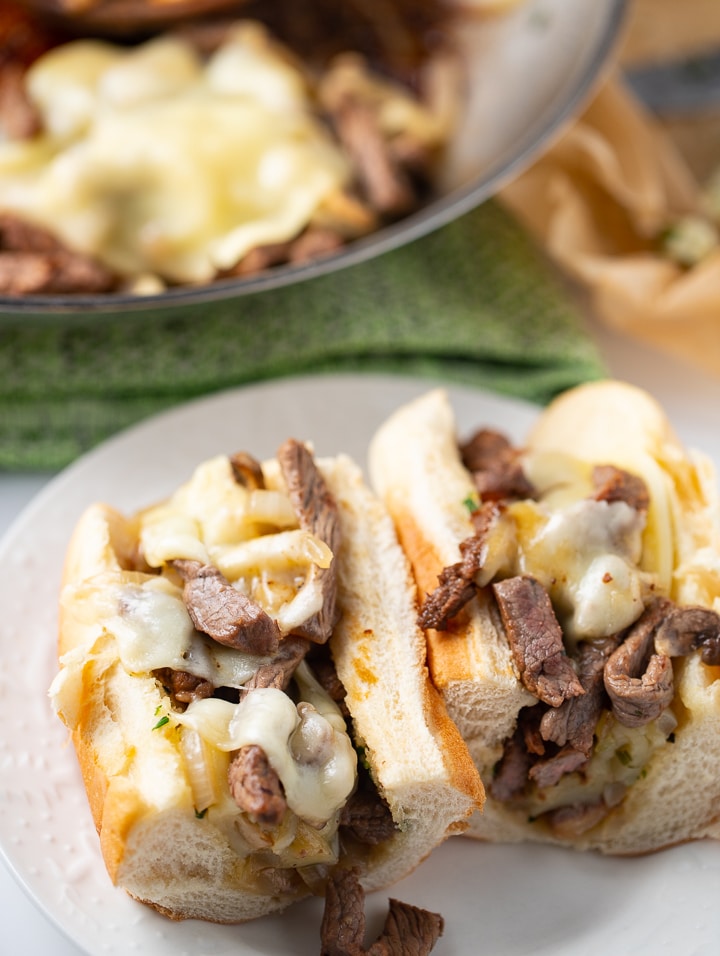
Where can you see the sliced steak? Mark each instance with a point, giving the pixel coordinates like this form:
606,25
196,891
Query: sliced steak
367,817
639,682
575,720
495,466
456,583
536,639
383,182
225,614
317,513
511,772
255,786
342,931
408,930
279,671
687,629
615,484
548,771
182,687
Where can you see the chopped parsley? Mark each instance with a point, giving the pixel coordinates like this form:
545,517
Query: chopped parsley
161,723
471,503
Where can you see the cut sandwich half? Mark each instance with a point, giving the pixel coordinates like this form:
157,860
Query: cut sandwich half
570,597
246,687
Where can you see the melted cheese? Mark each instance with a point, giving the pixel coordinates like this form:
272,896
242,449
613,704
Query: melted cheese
589,555
156,163
252,536
146,616
309,750
586,555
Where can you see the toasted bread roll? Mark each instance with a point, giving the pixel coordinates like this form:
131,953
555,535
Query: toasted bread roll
570,594
200,645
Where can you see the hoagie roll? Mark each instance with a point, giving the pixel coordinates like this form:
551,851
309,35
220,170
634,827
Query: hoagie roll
246,688
570,593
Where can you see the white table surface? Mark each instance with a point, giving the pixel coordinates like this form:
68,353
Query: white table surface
692,400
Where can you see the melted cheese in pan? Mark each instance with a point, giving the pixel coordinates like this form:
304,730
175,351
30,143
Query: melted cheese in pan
155,162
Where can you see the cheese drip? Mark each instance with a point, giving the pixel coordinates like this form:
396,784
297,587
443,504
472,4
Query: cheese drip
306,743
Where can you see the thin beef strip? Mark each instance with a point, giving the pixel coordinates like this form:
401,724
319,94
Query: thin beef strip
182,687
278,672
511,772
456,583
408,930
639,682
536,639
223,613
574,721
317,512
255,786
367,817
614,484
495,466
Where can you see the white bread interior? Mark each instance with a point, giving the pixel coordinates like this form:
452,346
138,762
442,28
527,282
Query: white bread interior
153,843
417,756
678,798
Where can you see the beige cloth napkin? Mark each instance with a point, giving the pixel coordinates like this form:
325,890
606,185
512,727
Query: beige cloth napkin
603,197
600,201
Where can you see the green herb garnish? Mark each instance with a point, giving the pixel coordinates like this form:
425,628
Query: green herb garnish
161,723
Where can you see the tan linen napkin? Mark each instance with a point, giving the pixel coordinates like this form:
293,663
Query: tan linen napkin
601,201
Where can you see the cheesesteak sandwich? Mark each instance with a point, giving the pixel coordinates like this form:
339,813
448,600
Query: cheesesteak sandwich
571,597
246,687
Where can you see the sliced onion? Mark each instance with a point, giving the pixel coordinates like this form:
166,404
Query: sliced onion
204,769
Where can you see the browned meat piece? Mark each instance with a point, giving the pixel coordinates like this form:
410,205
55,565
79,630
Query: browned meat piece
32,260
19,119
384,183
573,820
323,667
23,39
279,671
342,931
547,772
182,687
495,466
247,471
687,629
615,484
316,510
260,258
456,583
219,610
367,817
639,682
511,772
536,640
314,243
575,720
408,930
255,786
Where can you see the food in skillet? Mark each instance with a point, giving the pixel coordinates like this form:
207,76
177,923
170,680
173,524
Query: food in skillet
245,684
571,596
209,151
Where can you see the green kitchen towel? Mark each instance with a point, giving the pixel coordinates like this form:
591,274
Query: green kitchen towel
473,303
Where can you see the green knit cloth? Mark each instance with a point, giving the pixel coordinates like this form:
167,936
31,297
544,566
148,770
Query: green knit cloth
472,303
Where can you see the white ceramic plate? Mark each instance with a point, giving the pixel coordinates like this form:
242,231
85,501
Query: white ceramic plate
501,901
